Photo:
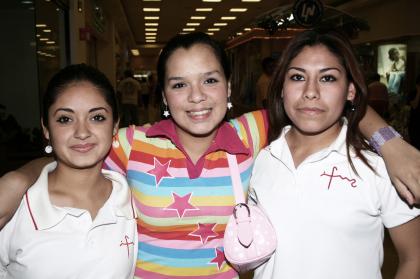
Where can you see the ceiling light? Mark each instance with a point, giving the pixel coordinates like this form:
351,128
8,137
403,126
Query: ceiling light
40,25
198,17
151,9
238,10
135,52
43,39
150,34
151,18
239,33
212,1
47,30
210,33
151,24
151,0
150,41
228,18
220,24
50,42
151,38
204,9
150,29
193,24
188,29
251,0
247,29
213,29
38,35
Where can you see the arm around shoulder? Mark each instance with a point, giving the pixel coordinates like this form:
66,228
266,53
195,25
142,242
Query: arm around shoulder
14,184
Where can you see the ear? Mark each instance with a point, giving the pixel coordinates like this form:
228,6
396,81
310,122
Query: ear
115,128
45,130
351,92
229,91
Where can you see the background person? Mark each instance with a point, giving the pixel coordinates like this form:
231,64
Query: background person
129,90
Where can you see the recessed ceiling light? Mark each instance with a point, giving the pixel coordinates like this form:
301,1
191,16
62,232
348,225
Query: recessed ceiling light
238,10
135,52
47,30
210,33
40,25
151,9
198,17
150,34
212,1
204,9
50,42
193,24
151,0
150,29
213,29
228,18
151,17
188,29
251,0
43,39
239,33
151,24
150,41
220,24
247,29
151,38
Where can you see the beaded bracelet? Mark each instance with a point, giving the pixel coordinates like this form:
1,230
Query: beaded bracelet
381,136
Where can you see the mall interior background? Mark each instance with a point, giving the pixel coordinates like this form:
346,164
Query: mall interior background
41,36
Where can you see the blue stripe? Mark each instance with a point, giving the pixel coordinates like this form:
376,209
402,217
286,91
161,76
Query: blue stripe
175,253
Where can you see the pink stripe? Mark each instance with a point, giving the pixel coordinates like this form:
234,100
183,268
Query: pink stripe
157,212
151,275
176,244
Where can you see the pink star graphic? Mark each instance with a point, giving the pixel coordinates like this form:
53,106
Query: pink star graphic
160,171
219,259
181,204
205,231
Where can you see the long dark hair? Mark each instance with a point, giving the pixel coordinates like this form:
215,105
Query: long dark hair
341,47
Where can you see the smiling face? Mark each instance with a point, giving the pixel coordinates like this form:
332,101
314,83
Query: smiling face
195,91
80,126
315,91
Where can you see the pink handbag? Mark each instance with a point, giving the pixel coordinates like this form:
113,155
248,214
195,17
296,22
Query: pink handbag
250,238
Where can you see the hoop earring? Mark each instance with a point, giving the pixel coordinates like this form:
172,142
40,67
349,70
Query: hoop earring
48,149
166,112
229,104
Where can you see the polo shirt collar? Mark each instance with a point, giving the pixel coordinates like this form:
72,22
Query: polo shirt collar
279,147
226,137
45,215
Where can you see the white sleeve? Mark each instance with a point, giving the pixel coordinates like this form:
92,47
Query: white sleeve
5,238
394,210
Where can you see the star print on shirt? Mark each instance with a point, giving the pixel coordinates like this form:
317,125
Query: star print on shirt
219,259
205,231
160,171
181,204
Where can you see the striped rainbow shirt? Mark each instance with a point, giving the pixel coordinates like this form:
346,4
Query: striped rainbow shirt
183,208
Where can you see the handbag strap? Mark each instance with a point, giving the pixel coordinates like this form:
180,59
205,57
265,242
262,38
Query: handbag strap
236,179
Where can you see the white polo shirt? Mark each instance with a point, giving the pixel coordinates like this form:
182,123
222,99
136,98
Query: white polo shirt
329,221
45,241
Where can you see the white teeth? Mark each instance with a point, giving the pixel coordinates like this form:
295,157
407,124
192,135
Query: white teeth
201,112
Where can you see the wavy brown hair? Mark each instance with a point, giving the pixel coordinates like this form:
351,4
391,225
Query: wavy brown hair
340,46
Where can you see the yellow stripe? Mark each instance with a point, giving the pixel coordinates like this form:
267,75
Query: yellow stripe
171,271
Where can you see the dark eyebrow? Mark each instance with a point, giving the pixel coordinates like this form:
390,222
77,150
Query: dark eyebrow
205,74
69,110
322,70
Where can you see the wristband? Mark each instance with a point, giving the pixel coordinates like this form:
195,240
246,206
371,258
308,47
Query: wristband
381,136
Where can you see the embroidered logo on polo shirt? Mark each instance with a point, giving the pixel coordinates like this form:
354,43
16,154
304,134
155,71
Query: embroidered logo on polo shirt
127,244
351,182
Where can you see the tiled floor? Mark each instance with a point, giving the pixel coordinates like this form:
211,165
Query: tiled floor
388,268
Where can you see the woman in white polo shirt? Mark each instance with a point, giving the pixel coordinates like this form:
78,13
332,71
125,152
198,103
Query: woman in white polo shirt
77,220
327,194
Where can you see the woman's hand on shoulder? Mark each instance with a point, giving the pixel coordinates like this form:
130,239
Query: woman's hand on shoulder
403,164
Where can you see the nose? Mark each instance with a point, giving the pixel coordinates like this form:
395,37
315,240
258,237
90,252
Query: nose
197,94
82,130
311,90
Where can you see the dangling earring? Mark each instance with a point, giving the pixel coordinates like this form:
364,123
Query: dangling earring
48,149
166,112
115,142
352,107
229,103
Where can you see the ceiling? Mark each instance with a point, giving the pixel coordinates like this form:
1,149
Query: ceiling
174,15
